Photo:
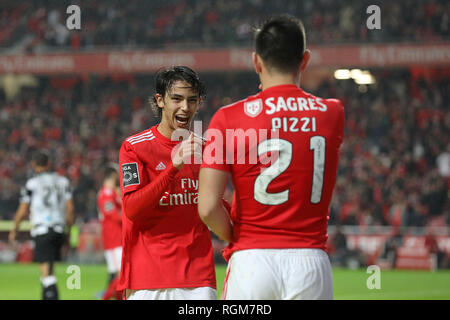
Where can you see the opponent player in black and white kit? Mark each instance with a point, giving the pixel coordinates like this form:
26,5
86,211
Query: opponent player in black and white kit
48,198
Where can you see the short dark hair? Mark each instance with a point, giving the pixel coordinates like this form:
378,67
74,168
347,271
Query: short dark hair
167,76
109,171
41,158
280,41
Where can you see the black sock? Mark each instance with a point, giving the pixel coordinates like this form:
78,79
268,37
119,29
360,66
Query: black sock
50,292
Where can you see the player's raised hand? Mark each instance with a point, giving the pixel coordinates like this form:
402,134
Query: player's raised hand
189,149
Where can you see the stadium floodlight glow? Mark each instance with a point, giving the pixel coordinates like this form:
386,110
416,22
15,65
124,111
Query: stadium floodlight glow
355,73
362,76
365,78
358,75
342,74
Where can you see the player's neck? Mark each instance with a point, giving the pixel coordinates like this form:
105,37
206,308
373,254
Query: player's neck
273,80
40,170
109,184
165,130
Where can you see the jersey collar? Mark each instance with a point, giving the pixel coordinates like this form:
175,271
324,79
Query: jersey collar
162,138
282,87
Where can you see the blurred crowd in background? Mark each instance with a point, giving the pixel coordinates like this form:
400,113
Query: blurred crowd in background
395,161
36,26
394,165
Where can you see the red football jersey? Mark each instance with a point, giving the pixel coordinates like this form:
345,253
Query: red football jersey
172,247
281,147
109,207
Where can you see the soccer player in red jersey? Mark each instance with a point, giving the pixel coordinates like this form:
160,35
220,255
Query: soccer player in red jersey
281,148
167,250
109,204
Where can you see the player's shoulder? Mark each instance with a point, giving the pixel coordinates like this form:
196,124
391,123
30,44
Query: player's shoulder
108,191
238,106
32,182
60,176
105,192
334,103
134,140
331,103
61,179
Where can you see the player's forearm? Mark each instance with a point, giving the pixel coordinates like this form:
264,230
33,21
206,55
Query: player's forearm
70,213
20,215
138,204
218,220
16,223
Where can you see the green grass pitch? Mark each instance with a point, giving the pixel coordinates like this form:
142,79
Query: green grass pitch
21,282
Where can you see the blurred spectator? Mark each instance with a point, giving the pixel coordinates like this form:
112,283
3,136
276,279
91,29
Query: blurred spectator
432,245
389,253
40,25
443,163
341,255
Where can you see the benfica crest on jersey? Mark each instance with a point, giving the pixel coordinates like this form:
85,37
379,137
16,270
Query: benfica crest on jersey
253,108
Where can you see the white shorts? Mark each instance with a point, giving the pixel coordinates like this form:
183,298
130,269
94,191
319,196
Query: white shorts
113,259
200,293
278,274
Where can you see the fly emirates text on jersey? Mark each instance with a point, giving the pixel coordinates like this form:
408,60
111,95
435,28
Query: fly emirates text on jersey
187,197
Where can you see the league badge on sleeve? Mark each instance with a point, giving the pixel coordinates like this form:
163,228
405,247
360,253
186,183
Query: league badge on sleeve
130,174
253,108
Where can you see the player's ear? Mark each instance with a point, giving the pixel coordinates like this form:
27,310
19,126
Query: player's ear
159,100
257,62
305,60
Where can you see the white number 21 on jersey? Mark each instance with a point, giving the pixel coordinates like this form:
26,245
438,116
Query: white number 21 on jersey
284,148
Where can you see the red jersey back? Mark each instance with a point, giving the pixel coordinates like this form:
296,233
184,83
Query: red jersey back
172,248
109,207
281,147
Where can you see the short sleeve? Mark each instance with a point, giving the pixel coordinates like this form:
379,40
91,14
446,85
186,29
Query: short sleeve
131,169
25,194
214,153
67,189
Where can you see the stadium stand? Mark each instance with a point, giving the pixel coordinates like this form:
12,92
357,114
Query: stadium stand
36,26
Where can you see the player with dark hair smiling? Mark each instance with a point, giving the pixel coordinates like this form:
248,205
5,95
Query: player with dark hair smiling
278,224
167,250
